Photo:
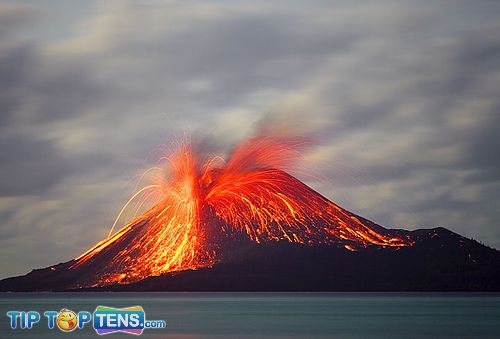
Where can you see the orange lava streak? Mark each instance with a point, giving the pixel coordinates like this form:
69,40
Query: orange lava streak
250,194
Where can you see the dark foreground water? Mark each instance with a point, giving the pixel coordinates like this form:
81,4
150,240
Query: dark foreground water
277,315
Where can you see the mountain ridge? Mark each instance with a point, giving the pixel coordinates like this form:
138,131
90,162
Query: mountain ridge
440,260
284,236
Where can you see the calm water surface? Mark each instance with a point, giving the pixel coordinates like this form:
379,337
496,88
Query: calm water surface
277,315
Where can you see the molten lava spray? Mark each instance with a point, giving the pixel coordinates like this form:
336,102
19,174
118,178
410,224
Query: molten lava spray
205,200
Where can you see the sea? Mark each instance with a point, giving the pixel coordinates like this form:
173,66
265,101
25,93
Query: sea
275,315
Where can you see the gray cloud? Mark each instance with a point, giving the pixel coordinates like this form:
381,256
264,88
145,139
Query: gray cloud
14,17
401,98
29,166
15,64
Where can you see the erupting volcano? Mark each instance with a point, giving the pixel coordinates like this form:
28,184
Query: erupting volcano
245,223
203,203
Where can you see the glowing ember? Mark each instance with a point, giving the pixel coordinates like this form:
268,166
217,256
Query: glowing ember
201,202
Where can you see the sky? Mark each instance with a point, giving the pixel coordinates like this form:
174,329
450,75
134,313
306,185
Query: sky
401,98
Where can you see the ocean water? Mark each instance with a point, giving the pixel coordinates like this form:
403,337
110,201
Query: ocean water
277,315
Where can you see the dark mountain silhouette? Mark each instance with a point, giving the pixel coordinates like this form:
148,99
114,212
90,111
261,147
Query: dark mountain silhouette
440,260
340,251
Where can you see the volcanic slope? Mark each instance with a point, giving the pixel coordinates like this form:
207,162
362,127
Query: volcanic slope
327,248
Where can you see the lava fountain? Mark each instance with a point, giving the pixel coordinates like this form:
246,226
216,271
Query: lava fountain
203,202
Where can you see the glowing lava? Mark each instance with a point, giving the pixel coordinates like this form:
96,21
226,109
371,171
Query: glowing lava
205,200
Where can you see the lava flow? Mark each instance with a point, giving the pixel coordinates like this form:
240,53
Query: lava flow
204,201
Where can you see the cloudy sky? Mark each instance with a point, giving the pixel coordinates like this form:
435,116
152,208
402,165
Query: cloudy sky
402,100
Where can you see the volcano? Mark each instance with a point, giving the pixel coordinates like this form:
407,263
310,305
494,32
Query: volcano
246,224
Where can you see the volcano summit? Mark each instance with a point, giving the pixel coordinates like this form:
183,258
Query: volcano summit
246,224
